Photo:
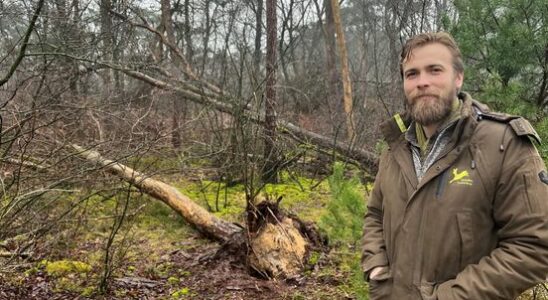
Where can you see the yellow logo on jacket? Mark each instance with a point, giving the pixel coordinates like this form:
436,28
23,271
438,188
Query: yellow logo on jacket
462,177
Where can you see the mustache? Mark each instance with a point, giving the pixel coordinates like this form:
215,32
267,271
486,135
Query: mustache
415,98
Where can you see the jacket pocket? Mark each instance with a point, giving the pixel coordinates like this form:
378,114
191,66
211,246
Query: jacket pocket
464,222
380,289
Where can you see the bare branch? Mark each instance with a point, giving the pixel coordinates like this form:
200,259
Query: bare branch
24,45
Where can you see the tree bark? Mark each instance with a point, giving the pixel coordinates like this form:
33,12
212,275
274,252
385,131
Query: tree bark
345,73
270,173
107,37
188,33
332,82
258,36
167,24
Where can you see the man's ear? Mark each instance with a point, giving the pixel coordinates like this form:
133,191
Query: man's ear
459,79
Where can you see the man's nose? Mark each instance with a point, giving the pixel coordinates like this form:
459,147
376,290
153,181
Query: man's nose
423,81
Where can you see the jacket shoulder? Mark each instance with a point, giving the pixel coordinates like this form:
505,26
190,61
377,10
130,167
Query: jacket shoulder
519,125
523,128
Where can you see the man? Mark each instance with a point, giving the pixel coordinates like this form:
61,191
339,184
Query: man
459,209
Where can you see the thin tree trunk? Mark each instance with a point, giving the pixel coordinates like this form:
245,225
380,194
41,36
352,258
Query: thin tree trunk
107,39
207,28
332,82
167,24
345,73
270,151
258,36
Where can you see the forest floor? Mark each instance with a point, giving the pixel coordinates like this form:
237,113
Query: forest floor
155,255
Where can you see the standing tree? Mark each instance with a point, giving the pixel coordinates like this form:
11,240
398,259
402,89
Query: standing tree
258,37
270,168
345,73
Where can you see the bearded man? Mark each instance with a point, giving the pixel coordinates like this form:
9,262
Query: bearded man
459,209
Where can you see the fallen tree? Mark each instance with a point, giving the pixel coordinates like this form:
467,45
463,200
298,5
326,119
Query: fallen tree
275,245
202,92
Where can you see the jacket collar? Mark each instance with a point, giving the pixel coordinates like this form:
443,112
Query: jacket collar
393,134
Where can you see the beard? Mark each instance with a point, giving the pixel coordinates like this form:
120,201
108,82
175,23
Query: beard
428,109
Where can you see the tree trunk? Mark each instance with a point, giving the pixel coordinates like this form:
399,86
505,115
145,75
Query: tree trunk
345,73
258,36
332,82
270,172
107,36
188,34
167,24
207,29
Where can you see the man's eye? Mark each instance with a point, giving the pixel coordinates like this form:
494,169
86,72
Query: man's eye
410,75
436,71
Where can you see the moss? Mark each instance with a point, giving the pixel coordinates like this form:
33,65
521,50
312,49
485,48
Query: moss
314,258
153,162
87,291
67,275
182,294
31,271
62,267
173,280
301,195
224,201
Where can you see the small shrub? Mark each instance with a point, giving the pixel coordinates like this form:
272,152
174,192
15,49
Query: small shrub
343,220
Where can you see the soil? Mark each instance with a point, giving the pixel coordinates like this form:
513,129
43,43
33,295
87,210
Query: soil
194,273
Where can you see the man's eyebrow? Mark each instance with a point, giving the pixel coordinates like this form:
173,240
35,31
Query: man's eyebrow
410,70
434,66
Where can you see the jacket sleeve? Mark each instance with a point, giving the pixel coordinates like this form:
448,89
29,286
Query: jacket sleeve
520,212
373,247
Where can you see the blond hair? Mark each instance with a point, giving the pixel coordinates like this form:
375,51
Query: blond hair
424,39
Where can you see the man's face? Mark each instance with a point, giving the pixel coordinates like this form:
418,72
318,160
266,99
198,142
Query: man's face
430,83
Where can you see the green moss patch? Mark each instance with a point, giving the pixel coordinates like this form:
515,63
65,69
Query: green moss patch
63,267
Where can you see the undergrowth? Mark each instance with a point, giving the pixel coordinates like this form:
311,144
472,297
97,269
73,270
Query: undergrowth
343,223
337,204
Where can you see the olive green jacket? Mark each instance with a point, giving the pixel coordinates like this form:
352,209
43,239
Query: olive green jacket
475,227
